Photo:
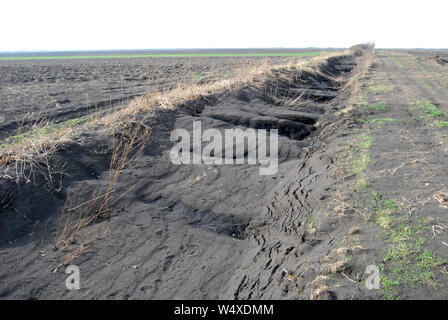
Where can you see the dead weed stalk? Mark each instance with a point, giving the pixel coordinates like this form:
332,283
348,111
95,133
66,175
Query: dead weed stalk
72,235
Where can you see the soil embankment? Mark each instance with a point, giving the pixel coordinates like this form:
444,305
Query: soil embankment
34,92
190,231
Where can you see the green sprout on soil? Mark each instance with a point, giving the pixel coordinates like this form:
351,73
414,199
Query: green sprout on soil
378,88
379,122
442,124
43,131
429,109
414,63
382,120
361,161
380,106
398,62
405,262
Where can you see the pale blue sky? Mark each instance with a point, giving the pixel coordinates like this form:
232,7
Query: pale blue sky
131,24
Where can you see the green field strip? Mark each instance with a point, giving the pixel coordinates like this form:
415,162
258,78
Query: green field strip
173,55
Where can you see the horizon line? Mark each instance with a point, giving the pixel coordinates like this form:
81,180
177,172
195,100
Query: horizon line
211,48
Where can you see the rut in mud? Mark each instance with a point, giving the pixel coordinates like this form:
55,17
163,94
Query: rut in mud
190,231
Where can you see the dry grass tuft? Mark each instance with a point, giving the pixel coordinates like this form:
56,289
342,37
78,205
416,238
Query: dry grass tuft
353,230
72,238
320,280
31,157
442,198
322,293
362,69
27,153
333,268
342,251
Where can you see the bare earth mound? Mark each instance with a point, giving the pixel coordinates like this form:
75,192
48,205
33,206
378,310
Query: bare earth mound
181,231
360,185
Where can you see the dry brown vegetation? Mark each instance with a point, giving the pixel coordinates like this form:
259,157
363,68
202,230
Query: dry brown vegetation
28,153
71,237
192,91
361,72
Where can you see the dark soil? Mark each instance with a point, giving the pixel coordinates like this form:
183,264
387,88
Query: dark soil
35,91
227,232
186,231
